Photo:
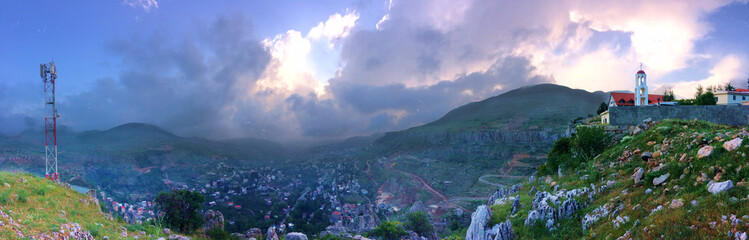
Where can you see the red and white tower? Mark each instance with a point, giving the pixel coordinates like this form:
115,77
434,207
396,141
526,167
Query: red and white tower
49,75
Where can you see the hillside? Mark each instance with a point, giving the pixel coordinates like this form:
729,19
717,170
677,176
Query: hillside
36,208
480,146
694,187
134,161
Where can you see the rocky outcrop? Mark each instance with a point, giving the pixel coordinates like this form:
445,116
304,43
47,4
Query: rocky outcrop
213,220
271,234
499,196
295,236
594,216
418,206
502,231
479,219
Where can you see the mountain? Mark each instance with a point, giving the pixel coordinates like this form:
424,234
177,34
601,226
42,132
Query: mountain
476,147
135,132
693,186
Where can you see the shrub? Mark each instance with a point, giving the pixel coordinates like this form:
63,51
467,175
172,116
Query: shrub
390,230
419,223
589,142
705,99
560,154
180,209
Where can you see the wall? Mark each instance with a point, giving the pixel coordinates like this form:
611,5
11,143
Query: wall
721,114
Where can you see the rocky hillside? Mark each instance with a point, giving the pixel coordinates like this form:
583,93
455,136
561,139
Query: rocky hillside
36,208
481,145
670,180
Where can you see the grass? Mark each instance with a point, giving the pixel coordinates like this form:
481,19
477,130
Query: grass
40,206
686,222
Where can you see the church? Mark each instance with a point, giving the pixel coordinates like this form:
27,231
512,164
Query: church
640,97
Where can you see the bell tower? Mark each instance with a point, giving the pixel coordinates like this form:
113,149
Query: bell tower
641,88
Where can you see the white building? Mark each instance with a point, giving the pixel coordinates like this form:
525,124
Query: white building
737,97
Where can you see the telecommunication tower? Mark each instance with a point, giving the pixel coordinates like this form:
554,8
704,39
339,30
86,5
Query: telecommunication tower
49,75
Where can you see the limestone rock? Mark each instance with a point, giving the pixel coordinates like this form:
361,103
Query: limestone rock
733,144
213,220
418,206
516,204
705,151
479,218
657,181
638,175
676,203
719,187
502,231
296,236
271,234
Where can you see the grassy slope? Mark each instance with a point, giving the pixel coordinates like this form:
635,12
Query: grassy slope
36,205
637,205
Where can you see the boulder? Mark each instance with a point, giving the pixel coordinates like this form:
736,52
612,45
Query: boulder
637,176
254,233
733,144
167,231
676,203
418,206
657,181
705,151
516,204
213,220
719,187
479,218
502,231
646,156
271,234
295,236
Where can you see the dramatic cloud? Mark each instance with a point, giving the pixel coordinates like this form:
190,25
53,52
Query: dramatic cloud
407,66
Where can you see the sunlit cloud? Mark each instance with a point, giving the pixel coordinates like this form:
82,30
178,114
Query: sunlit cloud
146,5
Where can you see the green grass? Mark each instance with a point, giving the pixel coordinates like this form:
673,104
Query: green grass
37,205
677,223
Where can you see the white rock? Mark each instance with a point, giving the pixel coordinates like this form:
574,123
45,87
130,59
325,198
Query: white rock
657,181
733,144
718,187
705,151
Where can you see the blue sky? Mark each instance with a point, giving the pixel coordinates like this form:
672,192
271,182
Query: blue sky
330,69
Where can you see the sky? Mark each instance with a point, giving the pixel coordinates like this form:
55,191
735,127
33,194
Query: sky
313,70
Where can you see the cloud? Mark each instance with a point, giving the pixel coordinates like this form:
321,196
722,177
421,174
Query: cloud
335,28
147,5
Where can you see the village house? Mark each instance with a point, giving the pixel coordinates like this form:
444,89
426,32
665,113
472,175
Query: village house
737,97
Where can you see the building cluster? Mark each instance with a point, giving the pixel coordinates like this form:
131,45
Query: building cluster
131,213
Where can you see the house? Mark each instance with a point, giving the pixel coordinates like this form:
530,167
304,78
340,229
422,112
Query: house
736,97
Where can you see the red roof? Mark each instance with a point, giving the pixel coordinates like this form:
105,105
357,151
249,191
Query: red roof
741,90
641,71
628,99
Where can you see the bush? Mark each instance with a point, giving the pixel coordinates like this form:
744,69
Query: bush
560,154
180,209
390,230
589,142
419,223
705,99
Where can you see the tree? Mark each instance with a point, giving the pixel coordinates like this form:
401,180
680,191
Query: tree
668,95
700,91
589,142
390,230
559,155
747,83
419,223
602,108
729,87
705,99
180,209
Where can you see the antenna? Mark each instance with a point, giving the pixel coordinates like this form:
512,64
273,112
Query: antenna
48,73
640,66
